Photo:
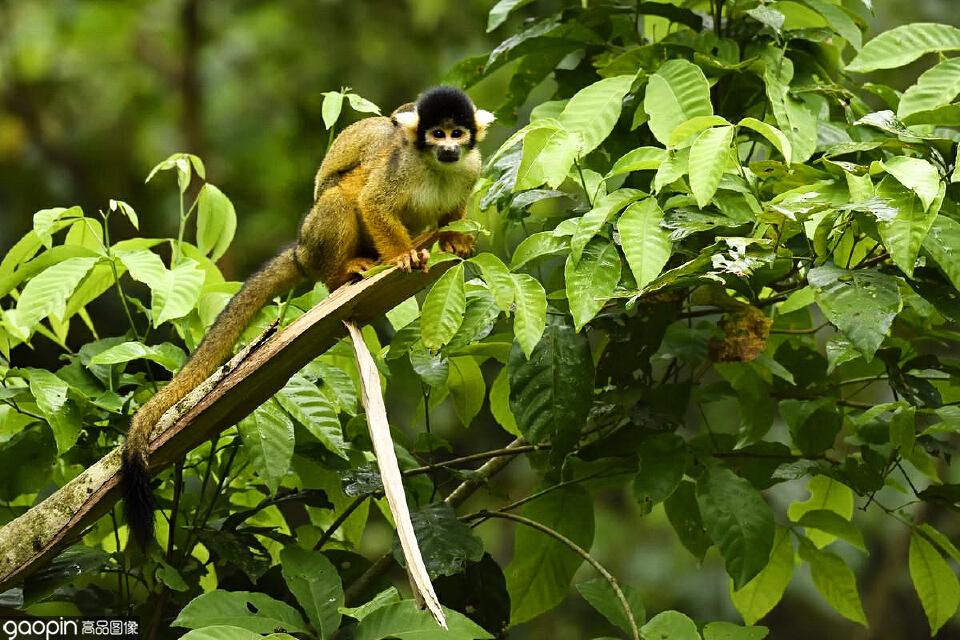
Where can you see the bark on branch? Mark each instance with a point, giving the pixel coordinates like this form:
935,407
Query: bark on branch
231,393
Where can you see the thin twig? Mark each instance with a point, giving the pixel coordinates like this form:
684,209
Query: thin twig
339,521
573,546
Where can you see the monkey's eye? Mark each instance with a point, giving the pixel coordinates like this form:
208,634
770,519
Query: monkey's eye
438,133
456,133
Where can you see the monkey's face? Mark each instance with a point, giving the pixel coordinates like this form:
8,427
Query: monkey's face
448,141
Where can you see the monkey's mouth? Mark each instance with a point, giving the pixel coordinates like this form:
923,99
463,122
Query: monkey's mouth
448,155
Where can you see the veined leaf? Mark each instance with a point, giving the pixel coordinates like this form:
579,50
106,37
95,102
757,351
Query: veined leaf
861,303
61,414
501,11
497,275
591,282
267,436
671,625
537,245
730,631
834,580
594,110
677,92
256,612
915,174
467,388
303,400
839,21
47,293
935,582
168,356
640,159
539,576
687,130
937,86
942,244
759,596
216,221
592,221
548,154
738,521
530,311
404,620
826,494
776,137
646,244
314,581
903,234
443,309
332,106
902,45
708,161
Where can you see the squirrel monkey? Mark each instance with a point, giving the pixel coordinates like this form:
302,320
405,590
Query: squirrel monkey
384,180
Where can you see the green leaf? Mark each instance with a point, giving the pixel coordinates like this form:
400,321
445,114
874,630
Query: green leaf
759,596
825,494
708,161
776,137
591,281
592,221
446,543
684,515
126,210
935,582
835,581
942,541
539,576
833,523
738,521
168,356
935,87
645,242
314,581
500,403
267,436
941,243
601,597
861,303
501,11
406,621
793,116
443,309
677,92
663,459
174,292
730,631
902,45
918,176
222,632
389,595
47,293
332,106
256,612
530,311
551,392
309,406
594,110
670,625
537,245
216,221
361,104
549,151
467,388
640,159
497,275
61,414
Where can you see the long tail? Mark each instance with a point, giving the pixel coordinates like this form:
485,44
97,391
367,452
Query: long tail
275,277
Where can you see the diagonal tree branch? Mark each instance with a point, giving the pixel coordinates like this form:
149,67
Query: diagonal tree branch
236,389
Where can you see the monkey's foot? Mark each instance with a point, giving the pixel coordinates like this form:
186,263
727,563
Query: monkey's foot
412,259
359,265
459,244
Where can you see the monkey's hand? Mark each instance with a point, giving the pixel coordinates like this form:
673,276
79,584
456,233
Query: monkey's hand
459,244
412,259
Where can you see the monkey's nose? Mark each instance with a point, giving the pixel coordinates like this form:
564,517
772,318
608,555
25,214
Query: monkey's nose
445,154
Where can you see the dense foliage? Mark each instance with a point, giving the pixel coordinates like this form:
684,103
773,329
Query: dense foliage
722,264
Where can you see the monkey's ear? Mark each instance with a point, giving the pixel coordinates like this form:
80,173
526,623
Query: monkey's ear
408,121
483,119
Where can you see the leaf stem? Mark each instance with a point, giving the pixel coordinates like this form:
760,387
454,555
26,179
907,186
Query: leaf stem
573,546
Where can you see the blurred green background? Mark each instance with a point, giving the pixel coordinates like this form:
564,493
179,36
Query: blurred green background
93,93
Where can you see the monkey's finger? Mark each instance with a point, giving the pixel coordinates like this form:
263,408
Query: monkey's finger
424,258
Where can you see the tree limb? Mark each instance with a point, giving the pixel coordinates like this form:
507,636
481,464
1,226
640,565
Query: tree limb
235,390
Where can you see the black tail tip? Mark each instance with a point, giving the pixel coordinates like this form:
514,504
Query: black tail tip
138,502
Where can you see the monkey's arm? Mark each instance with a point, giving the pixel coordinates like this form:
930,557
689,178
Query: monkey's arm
380,213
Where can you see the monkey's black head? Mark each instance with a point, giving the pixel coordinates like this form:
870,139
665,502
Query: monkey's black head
445,122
